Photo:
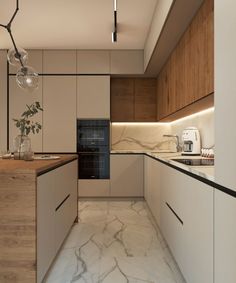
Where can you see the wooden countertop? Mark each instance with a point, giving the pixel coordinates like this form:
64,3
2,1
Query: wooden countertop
37,167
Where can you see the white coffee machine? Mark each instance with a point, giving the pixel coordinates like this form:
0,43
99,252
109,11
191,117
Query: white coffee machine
191,141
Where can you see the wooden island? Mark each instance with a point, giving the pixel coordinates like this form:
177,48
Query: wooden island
38,206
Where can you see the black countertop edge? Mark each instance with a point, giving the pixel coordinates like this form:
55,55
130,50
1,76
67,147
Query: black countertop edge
56,166
199,178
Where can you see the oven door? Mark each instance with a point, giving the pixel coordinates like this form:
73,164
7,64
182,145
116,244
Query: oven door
94,165
92,133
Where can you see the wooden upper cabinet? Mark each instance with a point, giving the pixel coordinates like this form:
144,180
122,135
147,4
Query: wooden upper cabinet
188,74
145,100
133,99
122,100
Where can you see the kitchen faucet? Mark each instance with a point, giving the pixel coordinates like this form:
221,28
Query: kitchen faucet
178,147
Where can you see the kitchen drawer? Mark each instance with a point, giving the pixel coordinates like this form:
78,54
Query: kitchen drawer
65,181
63,221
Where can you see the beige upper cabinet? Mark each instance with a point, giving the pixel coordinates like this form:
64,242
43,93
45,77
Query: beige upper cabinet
59,116
35,60
127,62
93,97
18,99
93,62
59,62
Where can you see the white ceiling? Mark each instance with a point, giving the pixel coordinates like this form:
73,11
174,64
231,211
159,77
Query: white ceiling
76,24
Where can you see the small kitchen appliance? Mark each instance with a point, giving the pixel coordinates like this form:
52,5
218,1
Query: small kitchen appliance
191,141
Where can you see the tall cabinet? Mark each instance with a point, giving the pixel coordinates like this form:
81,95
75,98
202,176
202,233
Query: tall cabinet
59,123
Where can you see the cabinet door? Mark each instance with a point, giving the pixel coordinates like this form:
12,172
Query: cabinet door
45,223
124,62
190,203
122,100
93,97
152,189
59,62
93,62
59,115
145,100
225,235
126,175
66,200
18,98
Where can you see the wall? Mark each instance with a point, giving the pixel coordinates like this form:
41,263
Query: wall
149,136
204,121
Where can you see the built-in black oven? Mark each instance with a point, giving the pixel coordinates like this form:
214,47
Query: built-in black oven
93,149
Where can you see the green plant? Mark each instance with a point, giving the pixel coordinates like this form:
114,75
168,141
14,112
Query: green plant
24,124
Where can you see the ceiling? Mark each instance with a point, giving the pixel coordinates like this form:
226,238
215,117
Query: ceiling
76,24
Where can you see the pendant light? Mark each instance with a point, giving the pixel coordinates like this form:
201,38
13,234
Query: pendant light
114,33
26,76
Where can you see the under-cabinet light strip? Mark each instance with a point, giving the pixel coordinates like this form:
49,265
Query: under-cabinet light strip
203,112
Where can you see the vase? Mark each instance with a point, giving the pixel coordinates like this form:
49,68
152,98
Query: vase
21,145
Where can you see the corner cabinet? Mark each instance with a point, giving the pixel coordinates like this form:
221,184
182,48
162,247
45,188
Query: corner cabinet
93,97
126,175
56,212
183,208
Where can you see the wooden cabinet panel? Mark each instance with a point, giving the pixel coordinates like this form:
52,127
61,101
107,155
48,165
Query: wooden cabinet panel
122,100
126,175
59,97
145,100
188,75
93,97
133,100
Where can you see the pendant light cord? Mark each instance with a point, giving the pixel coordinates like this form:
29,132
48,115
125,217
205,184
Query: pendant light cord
8,28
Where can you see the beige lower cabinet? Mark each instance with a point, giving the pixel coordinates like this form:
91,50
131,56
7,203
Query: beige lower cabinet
187,223
126,175
56,212
152,188
225,235
93,188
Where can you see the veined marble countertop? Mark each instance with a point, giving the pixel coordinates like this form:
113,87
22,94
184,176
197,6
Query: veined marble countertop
206,172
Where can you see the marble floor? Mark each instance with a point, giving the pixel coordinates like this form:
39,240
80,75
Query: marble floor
114,242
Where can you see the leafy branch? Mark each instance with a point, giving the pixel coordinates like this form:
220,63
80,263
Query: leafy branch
24,124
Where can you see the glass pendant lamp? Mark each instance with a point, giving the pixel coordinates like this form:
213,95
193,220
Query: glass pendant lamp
14,58
27,78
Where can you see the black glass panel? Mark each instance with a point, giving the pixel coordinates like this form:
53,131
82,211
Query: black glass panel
94,166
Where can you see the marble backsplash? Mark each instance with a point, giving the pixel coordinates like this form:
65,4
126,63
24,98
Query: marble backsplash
141,137
149,136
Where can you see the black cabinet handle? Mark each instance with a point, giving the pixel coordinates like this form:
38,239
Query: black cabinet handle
175,214
62,202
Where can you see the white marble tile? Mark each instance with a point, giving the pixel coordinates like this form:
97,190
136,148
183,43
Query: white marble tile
115,242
